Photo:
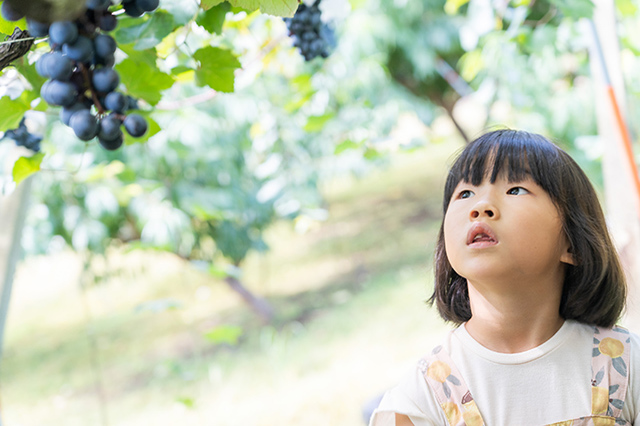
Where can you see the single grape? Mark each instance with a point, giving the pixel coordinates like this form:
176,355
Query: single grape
105,80
42,67
105,47
112,144
110,128
37,29
84,124
80,51
133,103
107,21
67,112
59,93
9,13
148,5
116,102
63,32
98,4
59,67
131,8
135,125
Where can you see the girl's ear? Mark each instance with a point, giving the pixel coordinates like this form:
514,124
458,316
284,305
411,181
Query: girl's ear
567,258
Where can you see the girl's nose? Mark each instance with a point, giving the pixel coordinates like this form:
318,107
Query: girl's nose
484,209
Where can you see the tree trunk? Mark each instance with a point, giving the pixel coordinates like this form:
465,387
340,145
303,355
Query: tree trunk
259,305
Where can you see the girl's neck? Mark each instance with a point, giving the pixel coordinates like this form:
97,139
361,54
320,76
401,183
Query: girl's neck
508,324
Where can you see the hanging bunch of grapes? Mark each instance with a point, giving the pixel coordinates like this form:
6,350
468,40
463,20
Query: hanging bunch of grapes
80,71
310,34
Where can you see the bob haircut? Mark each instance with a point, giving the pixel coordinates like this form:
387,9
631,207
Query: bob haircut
594,290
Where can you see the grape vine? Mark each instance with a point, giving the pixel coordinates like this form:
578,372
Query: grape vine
310,34
80,73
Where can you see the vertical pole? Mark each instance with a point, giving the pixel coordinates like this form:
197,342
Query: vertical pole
621,204
13,209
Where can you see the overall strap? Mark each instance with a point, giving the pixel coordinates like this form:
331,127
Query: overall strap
610,370
450,390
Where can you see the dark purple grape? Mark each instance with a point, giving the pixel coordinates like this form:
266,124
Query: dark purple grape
42,67
84,124
107,21
105,80
9,13
58,67
80,51
98,4
37,29
59,93
116,102
67,112
63,32
133,103
135,125
112,144
104,45
147,5
110,128
131,8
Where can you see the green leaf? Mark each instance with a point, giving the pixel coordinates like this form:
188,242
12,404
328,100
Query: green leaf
7,27
575,8
180,69
148,56
146,34
626,7
471,63
143,80
12,111
345,145
228,334
217,67
271,7
315,123
26,166
212,20
208,4
30,74
452,6
187,402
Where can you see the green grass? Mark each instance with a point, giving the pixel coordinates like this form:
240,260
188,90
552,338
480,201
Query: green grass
349,295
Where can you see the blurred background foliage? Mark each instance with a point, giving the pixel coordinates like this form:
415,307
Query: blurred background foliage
255,156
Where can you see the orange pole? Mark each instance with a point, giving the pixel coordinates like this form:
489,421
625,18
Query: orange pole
626,139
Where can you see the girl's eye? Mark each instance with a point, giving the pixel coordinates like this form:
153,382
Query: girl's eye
465,194
518,190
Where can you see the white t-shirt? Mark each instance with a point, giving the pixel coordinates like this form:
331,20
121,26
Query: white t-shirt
546,384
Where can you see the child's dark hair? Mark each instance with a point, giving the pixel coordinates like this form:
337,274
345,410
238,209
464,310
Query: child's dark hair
594,290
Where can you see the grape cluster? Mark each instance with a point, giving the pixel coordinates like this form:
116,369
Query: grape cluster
22,137
312,36
80,71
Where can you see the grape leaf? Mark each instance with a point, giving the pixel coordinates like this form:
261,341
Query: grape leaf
26,166
208,4
575,8
147,33
213,19
12,111
7,27
143,80
216,69
272,7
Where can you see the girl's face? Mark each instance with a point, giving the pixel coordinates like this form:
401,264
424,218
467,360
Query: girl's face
505,232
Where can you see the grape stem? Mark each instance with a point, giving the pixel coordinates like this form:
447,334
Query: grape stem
94,95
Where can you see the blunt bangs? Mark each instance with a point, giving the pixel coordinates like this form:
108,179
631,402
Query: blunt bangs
594,288
516,154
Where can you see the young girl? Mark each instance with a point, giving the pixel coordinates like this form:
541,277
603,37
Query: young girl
526,268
